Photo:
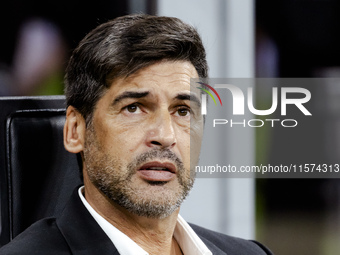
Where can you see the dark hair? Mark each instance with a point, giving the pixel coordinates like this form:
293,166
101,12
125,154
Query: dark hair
123,46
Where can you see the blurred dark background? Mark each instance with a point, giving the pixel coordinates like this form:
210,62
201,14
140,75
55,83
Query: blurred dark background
300,38
38,38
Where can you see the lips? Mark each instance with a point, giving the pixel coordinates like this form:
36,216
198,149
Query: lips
156,171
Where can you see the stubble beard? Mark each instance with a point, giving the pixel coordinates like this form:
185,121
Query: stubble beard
116,181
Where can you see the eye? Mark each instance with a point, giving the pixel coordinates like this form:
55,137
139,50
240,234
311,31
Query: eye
183,112
132,108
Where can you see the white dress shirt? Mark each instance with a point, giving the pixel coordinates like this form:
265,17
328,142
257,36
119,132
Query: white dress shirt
186,238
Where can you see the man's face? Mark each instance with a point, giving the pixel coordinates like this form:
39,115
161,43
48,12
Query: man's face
137,149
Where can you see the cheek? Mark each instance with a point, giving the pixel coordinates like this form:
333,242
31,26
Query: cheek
119,137
196,135
183,145
196,132
190,137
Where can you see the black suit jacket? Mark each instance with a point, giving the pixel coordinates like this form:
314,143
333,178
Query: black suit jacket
76,232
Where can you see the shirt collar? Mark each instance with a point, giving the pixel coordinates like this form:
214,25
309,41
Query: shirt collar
187,239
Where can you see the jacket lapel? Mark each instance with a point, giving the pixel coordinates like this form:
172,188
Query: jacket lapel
85,237
212,247
82,233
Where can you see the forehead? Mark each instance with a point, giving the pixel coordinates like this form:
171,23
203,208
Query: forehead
168,75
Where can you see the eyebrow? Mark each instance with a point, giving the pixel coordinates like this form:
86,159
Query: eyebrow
130,94
134,94
189,97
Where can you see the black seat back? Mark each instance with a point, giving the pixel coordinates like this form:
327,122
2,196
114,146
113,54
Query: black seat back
37,175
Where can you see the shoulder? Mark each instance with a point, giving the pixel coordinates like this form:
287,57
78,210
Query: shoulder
229,245
43,237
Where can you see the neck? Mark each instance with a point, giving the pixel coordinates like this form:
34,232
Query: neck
154,235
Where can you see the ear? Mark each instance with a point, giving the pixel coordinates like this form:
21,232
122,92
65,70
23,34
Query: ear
74,131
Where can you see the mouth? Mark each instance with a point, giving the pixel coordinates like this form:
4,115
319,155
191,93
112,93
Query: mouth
157,171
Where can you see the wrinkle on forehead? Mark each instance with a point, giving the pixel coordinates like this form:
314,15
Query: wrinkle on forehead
161,69
174,74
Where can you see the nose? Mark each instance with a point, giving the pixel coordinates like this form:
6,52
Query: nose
161,133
